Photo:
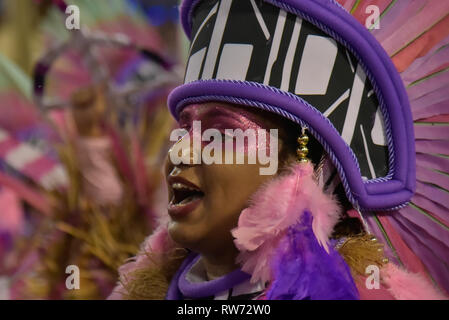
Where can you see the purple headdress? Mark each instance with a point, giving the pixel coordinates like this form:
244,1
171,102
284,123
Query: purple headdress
310,62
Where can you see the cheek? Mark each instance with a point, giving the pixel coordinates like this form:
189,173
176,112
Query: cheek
230,187
218,180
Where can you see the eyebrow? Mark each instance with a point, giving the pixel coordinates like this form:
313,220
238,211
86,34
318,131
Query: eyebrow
220,110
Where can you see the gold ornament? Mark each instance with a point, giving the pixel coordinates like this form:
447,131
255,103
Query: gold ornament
302,150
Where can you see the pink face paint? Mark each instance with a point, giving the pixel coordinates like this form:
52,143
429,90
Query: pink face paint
224,118
237,134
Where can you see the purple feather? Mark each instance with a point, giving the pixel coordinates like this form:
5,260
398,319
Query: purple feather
305,271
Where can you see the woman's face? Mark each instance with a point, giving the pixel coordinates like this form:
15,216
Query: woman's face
205,200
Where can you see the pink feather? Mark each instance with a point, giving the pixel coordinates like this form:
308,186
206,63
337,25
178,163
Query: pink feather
433,62
423,20
404,285
396,16
275,207
11,213
436,81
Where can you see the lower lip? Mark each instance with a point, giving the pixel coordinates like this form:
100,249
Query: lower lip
178,211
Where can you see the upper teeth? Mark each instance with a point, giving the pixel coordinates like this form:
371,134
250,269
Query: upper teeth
179,186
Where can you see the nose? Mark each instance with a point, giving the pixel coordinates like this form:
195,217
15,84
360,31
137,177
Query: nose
170,169
184,153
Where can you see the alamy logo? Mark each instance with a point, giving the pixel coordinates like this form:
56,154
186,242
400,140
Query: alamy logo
372,22
373,279
72,282
229,147
73,20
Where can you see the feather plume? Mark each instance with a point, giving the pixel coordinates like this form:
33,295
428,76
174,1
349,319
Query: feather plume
404,285
276,206
416,35
304,270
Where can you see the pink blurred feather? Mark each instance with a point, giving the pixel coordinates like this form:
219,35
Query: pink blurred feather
432,146
398,14
403,251
11,214
439,118
437,81
430,176
433,103
404,285
437,112
429,131
17,113
432,161
433,208
429,64
419,61
418,21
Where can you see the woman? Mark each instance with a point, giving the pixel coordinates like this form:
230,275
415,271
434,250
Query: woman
308,69
226,215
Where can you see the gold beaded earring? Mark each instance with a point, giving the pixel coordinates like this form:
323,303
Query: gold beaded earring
302,150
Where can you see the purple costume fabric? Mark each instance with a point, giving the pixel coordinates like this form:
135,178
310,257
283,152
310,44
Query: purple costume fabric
181,288
303,270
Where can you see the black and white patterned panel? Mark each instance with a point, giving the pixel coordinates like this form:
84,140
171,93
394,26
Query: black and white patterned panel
255,41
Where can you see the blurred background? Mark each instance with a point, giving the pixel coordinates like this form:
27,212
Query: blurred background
83,135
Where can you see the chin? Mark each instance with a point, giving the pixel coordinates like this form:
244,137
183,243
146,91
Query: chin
183,235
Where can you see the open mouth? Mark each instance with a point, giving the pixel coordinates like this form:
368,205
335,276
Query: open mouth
185,197
183,194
